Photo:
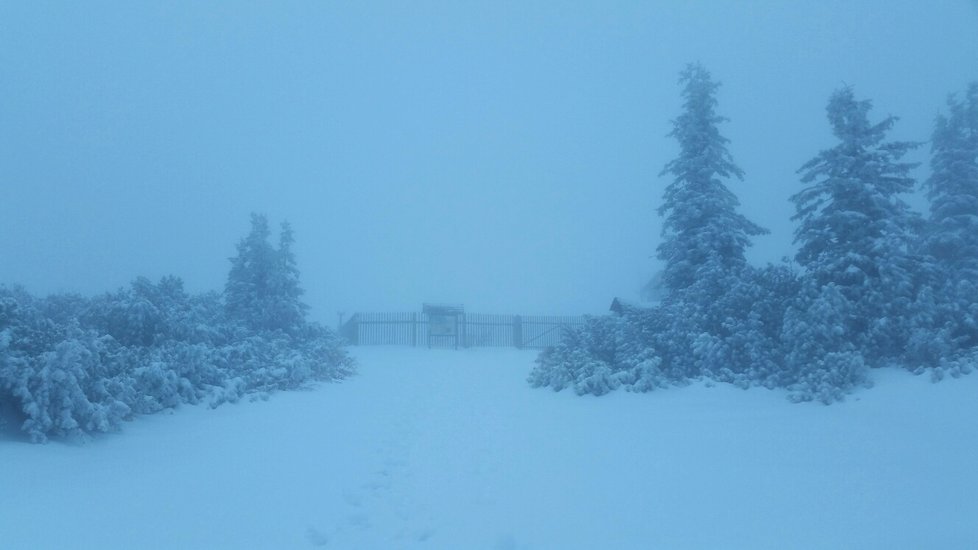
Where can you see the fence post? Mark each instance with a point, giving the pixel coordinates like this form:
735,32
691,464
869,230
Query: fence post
460,331
414,329
518,332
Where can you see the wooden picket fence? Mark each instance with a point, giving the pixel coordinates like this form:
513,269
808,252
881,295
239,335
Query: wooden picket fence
473,330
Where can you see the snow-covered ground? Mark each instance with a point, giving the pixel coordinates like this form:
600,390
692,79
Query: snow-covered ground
445,449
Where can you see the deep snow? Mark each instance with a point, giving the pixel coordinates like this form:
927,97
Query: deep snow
446,449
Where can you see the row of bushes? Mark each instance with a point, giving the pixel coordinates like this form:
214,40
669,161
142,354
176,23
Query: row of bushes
771,333
73,365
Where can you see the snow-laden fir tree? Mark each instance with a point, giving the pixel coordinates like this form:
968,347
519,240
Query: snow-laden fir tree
290,309
719,316
247,289
262,289
703,235
708,283
952,231
854,229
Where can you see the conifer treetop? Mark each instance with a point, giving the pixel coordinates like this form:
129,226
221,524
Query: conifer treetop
702,229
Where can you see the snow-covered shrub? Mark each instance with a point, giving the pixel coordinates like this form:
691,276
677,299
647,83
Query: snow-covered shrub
7,366
764,329
644,375
66,379
607,353
157,386
594,377
821,361
324,355
64,392
829,378
75,365
583,359
953,366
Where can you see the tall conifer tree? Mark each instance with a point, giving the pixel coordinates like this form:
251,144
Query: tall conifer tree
952,235
855,231
702,232
262,289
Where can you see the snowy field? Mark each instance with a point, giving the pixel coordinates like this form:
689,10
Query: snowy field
444,449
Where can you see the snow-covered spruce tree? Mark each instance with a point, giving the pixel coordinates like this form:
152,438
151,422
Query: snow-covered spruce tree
952,231
703,235
704,240
289,311
712,318
855,231
952,188
278,349
262,289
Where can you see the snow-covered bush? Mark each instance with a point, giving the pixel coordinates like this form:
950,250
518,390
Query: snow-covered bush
67,390
799,345
829,378
821,361
73,365
598,358
582,360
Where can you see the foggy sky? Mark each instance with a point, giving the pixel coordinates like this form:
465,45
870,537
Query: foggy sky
504,155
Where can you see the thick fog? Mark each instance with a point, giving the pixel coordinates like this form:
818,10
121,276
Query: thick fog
504,155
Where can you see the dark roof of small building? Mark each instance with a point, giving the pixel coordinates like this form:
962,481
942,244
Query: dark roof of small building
620,306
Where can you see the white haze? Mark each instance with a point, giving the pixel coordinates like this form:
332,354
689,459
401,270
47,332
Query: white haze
501,155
